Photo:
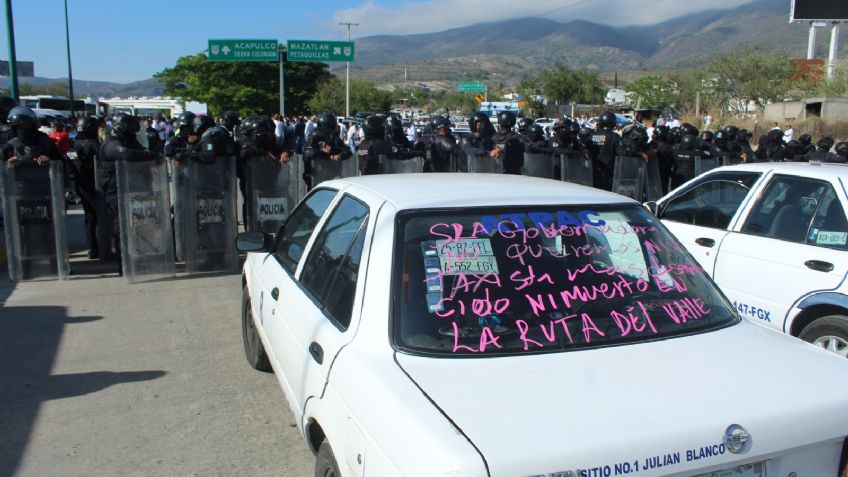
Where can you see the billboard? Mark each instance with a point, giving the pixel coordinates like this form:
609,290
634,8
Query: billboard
26,69
807,10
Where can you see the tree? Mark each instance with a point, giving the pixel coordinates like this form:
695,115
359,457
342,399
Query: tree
750,76
563,85
653,92
364,96
247,87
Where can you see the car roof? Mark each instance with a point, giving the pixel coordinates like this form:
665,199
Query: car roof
451,190
818,170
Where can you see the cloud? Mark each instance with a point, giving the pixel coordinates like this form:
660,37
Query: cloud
427,16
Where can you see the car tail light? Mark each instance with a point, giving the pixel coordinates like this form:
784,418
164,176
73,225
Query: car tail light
843,460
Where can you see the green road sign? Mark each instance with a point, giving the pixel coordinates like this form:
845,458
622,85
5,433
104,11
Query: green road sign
471,87
312,50
243,50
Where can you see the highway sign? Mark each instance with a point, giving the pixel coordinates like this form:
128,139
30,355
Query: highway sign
317,50
243,50
471,87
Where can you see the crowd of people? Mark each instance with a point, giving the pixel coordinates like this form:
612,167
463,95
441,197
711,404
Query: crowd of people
93,146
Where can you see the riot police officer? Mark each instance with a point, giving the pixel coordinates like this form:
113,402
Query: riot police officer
373,144
6,132
536,143
662,150
123,147
509,144
524,127
822,154
841,150
605,146
807,141
684,157
28,149
771,147
481,142
180,143
442,147
87,147
324,144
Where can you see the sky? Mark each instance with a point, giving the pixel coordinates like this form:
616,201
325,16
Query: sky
124,41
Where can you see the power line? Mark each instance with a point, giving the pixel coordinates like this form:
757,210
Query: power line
562,8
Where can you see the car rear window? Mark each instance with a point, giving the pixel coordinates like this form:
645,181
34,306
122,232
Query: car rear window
544,279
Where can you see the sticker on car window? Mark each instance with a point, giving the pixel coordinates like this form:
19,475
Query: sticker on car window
465,256
808,204
825,237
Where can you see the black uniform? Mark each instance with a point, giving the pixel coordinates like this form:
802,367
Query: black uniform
604,148
30,177
114,150
87,151
370,149
442,149
314,150
512,150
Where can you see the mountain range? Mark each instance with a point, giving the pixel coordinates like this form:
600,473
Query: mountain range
512,50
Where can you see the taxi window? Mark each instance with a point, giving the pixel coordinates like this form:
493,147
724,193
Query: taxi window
712,203
786,208
295,232
330,272
830,228
544,279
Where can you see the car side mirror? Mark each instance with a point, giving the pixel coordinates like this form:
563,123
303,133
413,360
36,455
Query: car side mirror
254,242
652,207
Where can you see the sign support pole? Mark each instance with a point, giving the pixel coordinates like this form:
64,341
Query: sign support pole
347,76
13,61
811,42
282,80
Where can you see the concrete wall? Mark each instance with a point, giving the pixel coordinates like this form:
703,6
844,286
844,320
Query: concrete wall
785,110
835,109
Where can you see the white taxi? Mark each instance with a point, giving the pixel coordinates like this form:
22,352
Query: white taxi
774,237
493,325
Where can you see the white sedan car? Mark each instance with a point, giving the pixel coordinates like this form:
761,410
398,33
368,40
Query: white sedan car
774,237
492,325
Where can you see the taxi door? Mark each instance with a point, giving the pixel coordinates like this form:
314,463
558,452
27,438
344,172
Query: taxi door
792,243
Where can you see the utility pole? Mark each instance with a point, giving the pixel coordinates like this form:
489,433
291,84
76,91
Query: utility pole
347,81
70,75
13,61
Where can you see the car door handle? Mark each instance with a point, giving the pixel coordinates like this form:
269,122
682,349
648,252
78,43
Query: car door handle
317,352
706,242
819,265
275,293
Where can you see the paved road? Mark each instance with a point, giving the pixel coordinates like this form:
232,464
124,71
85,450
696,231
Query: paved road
98,377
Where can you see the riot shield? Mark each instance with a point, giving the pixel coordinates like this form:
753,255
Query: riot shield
538,165
653,181
34,215
389,165
104,217
484,164
326,170
576,168
147,247
207,211
302,189
271,193
704,164
628,176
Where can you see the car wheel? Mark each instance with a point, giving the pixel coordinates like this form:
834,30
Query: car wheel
253,348
325,462
830,333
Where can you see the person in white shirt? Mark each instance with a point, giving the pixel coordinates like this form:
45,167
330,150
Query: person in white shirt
412,133
352,136
343,129
788,133
310,125
673,122
279,128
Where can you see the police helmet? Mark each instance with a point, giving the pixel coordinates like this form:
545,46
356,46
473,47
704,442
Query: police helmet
524,124
606,120
232,118
720,138
688,128
675,134
248,124
841,149
805,139
535,132
732,132
327,121
743,135
187,118
125,125
573,129
660,133
775,135
794,149
375,126
506,120
395,124
636,133
478,122
584,134
688,142
87,127
21,116
263,125
437,122
202,123
707,137
825,143
6,105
